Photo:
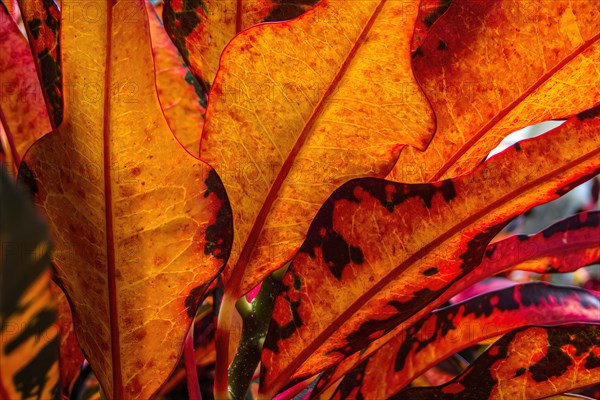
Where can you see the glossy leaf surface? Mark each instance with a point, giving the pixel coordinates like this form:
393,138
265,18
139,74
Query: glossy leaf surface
530,363
390,250
141,227
300,107
454,328
471,68
29,346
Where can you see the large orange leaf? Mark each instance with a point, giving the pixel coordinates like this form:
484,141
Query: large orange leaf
22,108
530,363
454,328
491,67
42,22
28,336
181,97
141,227
300,107
387,250
563,247
202,28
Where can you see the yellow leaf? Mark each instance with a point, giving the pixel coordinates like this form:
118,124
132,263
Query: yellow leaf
141,226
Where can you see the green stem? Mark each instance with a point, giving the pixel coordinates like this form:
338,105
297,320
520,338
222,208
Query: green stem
256,318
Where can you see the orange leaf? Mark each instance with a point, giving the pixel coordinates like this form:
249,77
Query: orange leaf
492,67
300,107
22,108
202,28
181,96
530,363
141,226
389,251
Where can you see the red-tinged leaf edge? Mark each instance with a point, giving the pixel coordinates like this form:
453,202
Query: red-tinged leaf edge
430,11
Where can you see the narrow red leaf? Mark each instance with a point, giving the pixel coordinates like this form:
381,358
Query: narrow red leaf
454,328
530,363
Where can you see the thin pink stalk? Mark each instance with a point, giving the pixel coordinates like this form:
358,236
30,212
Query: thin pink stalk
189,358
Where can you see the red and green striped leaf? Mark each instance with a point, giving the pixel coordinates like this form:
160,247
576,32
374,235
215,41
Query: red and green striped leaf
23,112
202,28
42,23
566,245
529,363
451,329
390,251
141,226
467,67
29,339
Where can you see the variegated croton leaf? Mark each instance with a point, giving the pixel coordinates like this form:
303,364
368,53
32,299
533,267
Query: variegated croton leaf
451,329
42,22
23,112
390,251
563,247
285,130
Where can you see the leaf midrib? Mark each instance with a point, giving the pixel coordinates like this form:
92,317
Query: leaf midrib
244,258
117,383
370,293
